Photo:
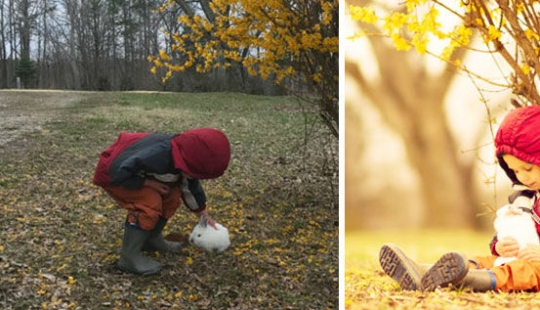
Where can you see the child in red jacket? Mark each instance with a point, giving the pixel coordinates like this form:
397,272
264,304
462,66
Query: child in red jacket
149,174
518,151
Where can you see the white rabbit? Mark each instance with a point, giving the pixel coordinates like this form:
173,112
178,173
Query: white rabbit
208,238
512,221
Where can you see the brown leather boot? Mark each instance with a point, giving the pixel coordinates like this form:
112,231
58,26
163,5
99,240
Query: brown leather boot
406,272
451,268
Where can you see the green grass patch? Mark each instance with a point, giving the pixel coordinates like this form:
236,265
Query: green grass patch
61,234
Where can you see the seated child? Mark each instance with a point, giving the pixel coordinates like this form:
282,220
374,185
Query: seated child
518,151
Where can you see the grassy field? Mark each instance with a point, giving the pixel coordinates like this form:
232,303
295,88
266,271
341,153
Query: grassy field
61,235
367,287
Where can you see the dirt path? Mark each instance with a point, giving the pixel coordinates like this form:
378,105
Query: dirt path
27,110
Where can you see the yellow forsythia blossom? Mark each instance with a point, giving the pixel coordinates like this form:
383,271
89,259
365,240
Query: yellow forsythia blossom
526,69
494,33
365,14
264,36
164,56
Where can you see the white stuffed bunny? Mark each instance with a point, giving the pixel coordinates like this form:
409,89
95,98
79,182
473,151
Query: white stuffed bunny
512,221
208,238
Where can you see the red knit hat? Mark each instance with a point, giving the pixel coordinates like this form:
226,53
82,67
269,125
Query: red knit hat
202,153
519,135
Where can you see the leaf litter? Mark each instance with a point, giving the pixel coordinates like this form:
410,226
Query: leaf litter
61,235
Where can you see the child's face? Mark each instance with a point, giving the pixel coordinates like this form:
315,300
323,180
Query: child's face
526,173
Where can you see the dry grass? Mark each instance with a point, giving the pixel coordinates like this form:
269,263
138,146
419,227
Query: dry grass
367,287
61,235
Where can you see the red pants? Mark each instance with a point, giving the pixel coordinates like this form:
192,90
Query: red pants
145,205
518,275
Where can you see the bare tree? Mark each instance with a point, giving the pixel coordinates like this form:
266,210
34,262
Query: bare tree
99,44
3,49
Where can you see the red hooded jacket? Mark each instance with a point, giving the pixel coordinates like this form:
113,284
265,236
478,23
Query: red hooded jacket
202,153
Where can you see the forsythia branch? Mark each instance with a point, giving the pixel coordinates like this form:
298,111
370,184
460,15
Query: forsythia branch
503,25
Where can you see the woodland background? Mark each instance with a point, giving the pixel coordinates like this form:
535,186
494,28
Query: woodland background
102,45
271,48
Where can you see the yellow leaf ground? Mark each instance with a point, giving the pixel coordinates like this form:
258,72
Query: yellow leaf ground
368,287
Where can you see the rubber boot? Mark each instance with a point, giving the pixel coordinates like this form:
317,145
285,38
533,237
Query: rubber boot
156,242
406,272
131,258
479,280
450,269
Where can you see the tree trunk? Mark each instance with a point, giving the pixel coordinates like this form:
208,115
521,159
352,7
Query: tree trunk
75,34
411,101
24,28
3,50
445,180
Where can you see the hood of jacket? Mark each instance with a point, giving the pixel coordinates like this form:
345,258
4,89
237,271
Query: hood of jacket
202,153
519,135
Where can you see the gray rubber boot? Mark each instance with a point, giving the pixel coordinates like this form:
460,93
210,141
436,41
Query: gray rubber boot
156,242
131,258
406,272
450,269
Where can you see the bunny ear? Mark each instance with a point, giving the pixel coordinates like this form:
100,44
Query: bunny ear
203,221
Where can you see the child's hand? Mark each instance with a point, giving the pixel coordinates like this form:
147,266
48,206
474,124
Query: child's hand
210,221
507,247
530,253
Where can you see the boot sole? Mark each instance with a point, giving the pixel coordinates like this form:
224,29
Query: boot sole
399,267
451,268
143,273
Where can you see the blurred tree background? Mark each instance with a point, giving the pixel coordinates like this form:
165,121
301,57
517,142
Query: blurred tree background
427,82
